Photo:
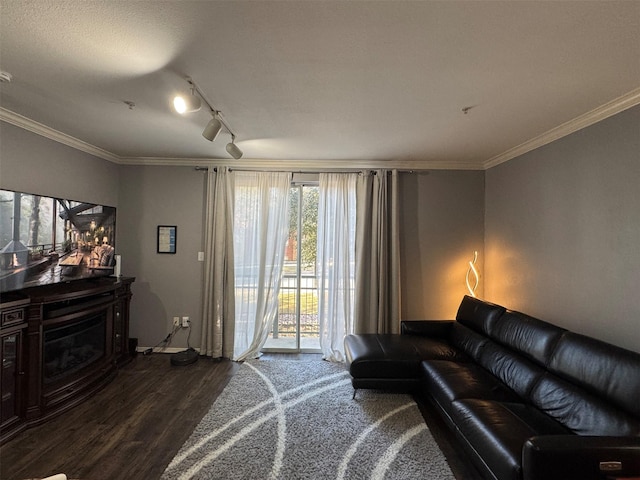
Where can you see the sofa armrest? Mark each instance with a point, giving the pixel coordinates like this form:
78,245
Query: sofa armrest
561,457
428,328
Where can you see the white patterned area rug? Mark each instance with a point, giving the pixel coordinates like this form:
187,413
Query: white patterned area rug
296,419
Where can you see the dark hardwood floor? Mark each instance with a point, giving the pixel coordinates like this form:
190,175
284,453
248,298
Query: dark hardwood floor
134,426
130,429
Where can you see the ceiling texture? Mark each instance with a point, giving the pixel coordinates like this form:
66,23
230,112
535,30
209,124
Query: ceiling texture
318,83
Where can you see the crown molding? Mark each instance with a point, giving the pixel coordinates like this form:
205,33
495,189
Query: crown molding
302,165
609,109
48,132
289,165
596,115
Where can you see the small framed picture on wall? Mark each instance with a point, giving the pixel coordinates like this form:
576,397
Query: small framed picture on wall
167,238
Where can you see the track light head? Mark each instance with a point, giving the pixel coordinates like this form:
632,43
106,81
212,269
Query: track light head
187,103
212,129
192,103
233,150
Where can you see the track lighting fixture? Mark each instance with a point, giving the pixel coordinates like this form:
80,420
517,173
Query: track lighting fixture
212,129
187,103
192,103
232,148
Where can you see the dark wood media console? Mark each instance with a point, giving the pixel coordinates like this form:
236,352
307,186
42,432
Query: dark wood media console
59,344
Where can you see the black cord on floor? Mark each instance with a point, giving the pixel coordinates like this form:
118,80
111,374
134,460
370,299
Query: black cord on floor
167,340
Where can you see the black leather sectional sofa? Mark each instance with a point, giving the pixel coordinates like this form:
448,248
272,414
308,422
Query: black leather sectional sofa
526,399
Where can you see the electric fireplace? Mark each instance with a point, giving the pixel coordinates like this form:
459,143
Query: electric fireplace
59,343
70,348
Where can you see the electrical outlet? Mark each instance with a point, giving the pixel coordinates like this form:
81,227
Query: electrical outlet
176,321
185,322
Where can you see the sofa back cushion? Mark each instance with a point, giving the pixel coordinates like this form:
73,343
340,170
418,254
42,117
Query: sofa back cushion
581,412
533,338
478,315
511,368
467,340
606,371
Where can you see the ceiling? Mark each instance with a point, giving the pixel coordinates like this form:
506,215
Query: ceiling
313,83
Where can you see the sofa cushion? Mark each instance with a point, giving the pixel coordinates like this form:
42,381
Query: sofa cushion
515,371
448,381
381,356
534,418
533,338
478,315
432,349
497,431
467,340
394,356
431,328
615,376
581,412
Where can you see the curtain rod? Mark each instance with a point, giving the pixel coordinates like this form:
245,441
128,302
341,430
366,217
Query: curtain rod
215,169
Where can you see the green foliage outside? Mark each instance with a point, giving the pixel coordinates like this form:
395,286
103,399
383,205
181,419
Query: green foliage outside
36,219
287,303
309,225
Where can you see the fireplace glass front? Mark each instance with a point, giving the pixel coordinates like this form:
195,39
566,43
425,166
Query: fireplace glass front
70,348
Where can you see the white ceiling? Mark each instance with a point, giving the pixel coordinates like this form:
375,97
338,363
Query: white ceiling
318,82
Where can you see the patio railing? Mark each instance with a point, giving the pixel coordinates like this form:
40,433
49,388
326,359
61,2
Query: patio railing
285,323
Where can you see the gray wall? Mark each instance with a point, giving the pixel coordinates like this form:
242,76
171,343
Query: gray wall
34,164
441,224
166,285
563,231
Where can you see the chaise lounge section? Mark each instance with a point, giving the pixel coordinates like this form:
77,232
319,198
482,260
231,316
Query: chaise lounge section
527,400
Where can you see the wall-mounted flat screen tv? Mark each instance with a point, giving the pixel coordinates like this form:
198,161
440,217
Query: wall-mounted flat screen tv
45,240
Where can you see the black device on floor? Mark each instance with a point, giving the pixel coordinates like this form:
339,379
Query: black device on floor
186,357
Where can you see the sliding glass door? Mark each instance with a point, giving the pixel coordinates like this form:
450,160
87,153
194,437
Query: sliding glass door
296,326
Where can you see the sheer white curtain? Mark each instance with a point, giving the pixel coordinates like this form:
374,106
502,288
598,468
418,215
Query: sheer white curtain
218,298
260,230
245,236
336,261
378,254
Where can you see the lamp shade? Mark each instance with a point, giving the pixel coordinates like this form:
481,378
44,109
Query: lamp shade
187,103
212,129
233,150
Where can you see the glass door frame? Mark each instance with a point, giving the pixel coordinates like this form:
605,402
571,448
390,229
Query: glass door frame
297,349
